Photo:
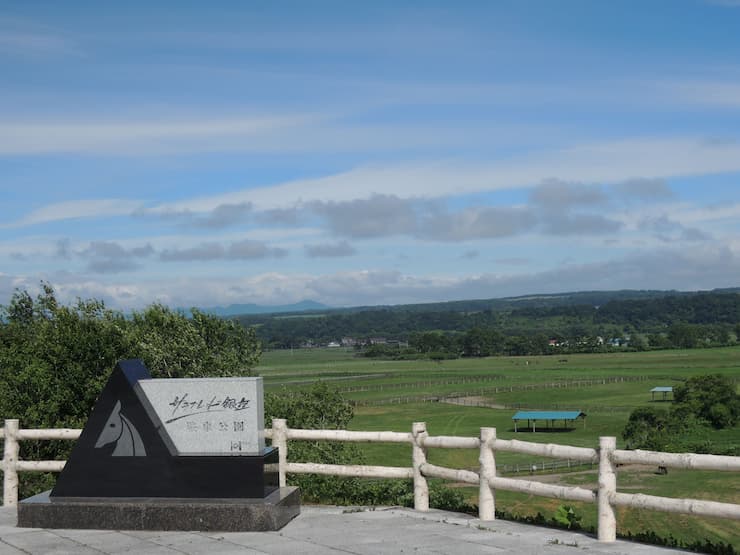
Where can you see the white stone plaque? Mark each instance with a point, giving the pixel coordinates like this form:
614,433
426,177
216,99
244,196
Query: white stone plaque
207,416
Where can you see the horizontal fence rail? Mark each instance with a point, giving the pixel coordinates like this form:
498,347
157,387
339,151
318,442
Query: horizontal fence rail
683,506
355,471
464,397
564,383
607,457
551,450
346,435
677,460
543,490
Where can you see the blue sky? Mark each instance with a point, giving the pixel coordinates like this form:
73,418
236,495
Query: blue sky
367,153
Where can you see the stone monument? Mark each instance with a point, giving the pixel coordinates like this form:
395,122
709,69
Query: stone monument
169,454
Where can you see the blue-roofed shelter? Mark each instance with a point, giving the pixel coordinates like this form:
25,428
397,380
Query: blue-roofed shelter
664,389
549,416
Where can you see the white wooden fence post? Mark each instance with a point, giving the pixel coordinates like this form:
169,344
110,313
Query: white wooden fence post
486,496
607,531
10,459
280,440
418,458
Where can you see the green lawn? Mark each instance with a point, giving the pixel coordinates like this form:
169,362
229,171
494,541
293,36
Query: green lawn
303,364
607,405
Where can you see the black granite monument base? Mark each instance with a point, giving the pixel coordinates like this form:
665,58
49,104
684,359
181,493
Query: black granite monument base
140,513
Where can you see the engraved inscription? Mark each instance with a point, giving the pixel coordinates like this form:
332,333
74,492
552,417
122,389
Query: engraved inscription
187,405
209,415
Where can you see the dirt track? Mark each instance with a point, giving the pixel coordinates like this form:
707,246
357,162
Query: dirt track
472,400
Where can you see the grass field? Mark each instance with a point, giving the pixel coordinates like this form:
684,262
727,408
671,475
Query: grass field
522,381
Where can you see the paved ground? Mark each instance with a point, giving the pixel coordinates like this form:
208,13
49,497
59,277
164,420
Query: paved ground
324,530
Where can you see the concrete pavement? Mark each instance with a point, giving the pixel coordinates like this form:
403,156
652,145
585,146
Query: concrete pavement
325,530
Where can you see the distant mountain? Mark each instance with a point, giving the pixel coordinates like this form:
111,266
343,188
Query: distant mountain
239,309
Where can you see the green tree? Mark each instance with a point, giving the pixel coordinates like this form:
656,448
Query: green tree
646,429
658,341
684,336
172,345
711,397
482,342
429,342
321,407
476,343
637,342
55,359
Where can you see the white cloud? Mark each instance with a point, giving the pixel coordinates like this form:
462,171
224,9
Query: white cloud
43,247
557,193
694,268
89,208
33,44
693,214
141,137
724,94
245,249
110,257
23,38
609,162
330,250
277,133
725,3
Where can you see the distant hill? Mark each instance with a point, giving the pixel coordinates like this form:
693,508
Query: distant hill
592,298
240,309
506,304
573,314
503,304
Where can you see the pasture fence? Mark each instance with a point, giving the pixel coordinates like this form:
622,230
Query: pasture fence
606,496
480,401
464,397
559,384
538,466
279,381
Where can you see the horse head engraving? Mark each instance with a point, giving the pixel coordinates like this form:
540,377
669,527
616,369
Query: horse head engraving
120,430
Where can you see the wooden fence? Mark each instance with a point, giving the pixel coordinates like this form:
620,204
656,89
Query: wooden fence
559,384
462,397
606,456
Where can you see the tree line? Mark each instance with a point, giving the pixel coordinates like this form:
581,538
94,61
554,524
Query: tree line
702,402
670,321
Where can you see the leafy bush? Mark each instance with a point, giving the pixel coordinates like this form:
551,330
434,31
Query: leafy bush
321,407
711,397
646,428
449,499
566,516
700,402
706,546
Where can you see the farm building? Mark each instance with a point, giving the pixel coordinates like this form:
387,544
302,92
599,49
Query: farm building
550,417
665,390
